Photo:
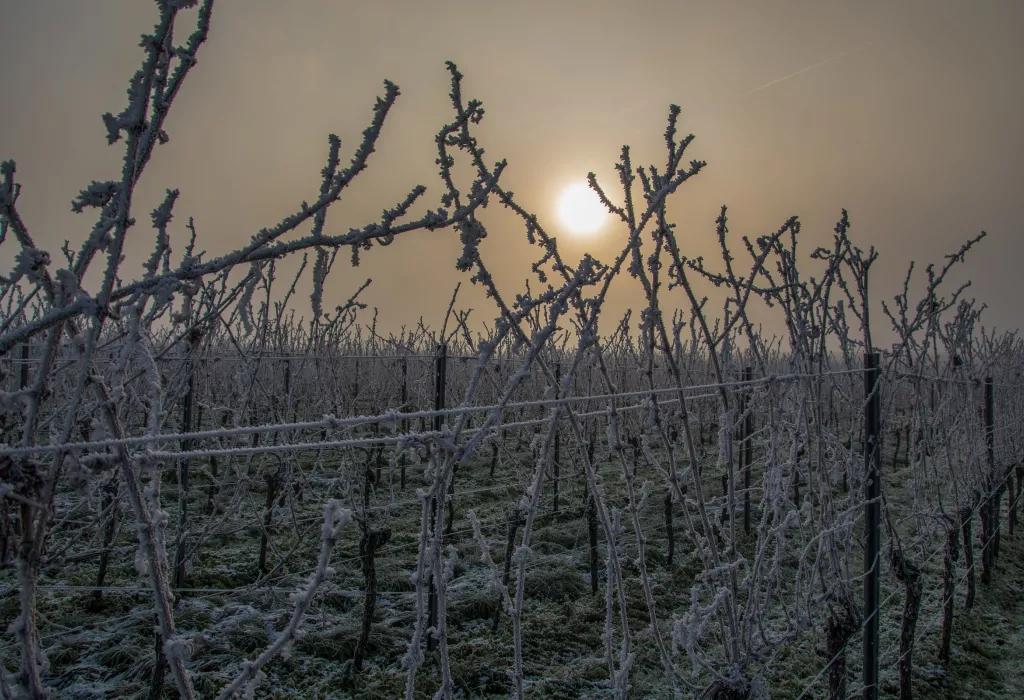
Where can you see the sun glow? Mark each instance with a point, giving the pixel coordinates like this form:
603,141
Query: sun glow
580,210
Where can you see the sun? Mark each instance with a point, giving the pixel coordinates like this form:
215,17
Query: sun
580,210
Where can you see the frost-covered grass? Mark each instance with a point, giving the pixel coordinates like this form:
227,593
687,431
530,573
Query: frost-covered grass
109,650
237,457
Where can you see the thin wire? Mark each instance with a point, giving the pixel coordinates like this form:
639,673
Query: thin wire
922,565
976,382
391,417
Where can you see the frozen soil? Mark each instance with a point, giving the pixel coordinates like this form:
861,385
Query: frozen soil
106,649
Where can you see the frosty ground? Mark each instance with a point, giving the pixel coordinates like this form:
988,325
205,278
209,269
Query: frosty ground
107,649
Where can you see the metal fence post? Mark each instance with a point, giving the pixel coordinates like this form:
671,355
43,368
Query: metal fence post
558,445
440,366
747,446
872,516
187,409
404,409
25,356
991,545
440,372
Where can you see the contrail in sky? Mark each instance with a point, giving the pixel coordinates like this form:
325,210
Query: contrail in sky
725,104
804,70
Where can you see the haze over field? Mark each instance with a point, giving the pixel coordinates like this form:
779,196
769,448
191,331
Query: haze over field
907,114
221,475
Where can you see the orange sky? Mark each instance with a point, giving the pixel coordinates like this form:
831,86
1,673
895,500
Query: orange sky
906,113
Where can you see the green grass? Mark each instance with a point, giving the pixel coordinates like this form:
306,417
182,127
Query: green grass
111,648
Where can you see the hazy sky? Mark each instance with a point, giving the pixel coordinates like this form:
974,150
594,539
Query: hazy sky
909,114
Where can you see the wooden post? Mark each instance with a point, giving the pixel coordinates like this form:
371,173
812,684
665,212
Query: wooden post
108,505
273,482
949,590
369,543
156,681
514,521
966,517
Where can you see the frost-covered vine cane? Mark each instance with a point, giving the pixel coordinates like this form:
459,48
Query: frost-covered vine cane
335,518
152,558
558,300
655,189
156,81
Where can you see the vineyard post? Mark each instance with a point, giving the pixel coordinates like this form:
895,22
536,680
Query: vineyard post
591,512
951,553
458,390
287,384
992,537
25,356
355,388
514,521
1011,505
872,515
501,434
439,402
156,682
557,456
8,526
405,408
254,420
1018,471
966,516
746,446
183,488
108,505
439,384
455,465
370,541
669,531
273,482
